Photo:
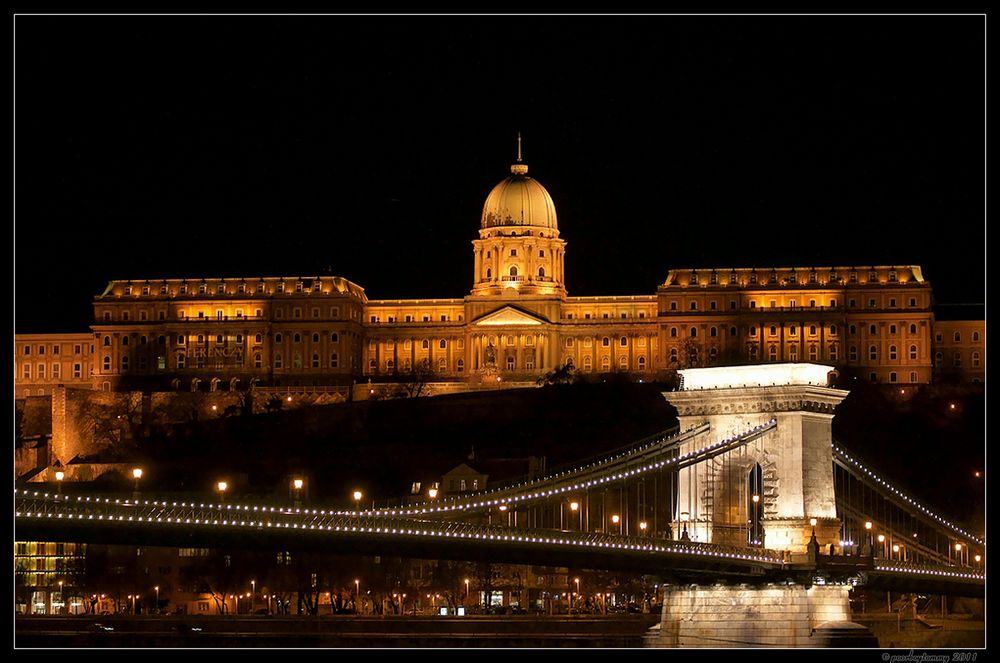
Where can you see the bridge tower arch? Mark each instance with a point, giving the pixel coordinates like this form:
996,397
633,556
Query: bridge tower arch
797,456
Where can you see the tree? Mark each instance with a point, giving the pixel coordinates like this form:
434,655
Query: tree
565,374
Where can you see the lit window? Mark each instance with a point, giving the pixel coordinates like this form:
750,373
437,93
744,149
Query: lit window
277,360
443,344
77,370
872,353
958,337
892,376
693,332
892,352
913,352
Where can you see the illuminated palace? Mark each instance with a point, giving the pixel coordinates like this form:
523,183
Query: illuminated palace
516,324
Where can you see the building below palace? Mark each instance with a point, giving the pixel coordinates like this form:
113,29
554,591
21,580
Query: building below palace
517,323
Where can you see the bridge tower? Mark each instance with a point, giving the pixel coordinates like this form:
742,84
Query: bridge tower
795,474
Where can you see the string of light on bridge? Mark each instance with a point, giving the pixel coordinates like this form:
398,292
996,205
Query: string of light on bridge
477,533
483,534
469,503
903,496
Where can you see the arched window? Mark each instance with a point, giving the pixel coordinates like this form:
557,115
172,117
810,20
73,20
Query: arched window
913,352
693,332
753,331
124,364
297,360
872,330
975,337
513,270
623,341
181,359
425,344
872,353
259,338
958,337
334,337
642,363
913,329
390,364
892,352
732,331
297,338
277,338
673,355
623,363
713,353
489,273
673,332
938,358
975,359
277,360
713,332
605,341
371,365
541,272
459,365
257,362
124,340
772,353
334,360
315,360
510,360
587,363
812,353
443,344
605,363
442,365
315,337
107,363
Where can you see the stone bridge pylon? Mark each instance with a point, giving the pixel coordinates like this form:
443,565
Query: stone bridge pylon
789,470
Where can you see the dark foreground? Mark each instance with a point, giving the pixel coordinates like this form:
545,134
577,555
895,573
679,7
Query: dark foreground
341,631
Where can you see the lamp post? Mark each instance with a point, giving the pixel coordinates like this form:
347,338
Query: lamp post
958,553
642,527
616,519
136,474
868,535
753,529
685,516
575,508
432,492
60,475
466,590
253,594
221,487
157,590
357,500
881,545
895,551
297,484
357,593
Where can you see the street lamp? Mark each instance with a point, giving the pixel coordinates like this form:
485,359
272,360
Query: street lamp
357,589
221,487
357,500
60,475
136,474
881,543
466,588
958,552
575,508
642,526
685,517
895,550
253,587
157,590
812,522
432,492
616,519
297,484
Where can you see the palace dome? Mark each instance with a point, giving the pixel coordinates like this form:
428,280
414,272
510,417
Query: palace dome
519,201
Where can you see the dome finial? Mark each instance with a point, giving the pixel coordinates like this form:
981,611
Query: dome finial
519,168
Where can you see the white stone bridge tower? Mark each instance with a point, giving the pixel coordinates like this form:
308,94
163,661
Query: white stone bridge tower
794,481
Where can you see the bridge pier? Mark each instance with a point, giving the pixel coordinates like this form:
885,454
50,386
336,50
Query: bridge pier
714,500
723,616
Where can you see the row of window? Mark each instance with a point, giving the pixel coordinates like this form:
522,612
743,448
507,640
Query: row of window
54,373
792,303
425,344
310,285
236,360
221,314
513,272
40,349
624,315
792,277
409,318
513,253
605,341
956,337
390,365
221,339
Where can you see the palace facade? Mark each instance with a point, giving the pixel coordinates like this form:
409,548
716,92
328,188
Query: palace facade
516,324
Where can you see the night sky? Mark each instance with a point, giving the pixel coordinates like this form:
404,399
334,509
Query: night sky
169,147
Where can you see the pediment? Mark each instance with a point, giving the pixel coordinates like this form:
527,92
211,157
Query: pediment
508,315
